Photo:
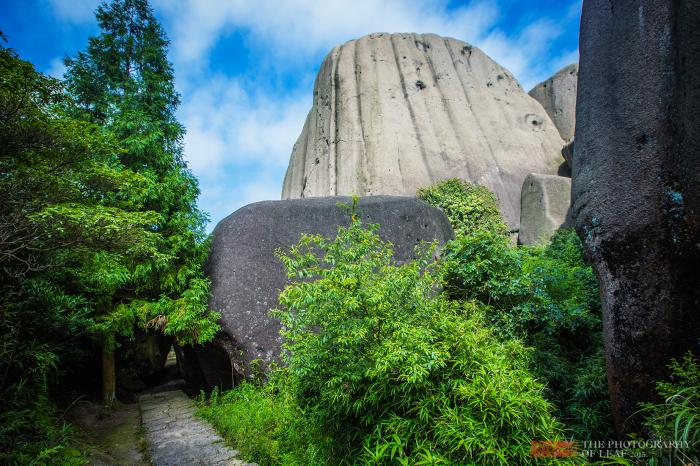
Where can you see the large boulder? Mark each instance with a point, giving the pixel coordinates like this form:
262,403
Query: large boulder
636,186
247,277
545,204
558,97
393,113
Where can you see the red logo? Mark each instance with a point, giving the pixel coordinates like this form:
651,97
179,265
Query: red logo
552,449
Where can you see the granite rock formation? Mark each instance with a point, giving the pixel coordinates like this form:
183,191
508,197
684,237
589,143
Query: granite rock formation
636,186
396,112
558,98
545,202
247,276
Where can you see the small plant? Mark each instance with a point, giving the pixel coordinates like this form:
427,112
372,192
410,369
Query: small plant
677,419
468,207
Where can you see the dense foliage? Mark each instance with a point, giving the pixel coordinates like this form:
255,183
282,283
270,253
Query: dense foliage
548,296
545,295
99,231
71,227
123,82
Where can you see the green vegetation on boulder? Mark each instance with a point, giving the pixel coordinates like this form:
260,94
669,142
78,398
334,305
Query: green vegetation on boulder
468,206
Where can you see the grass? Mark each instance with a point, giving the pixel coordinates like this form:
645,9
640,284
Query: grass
265,425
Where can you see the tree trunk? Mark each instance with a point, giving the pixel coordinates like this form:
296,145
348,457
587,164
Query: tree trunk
108,374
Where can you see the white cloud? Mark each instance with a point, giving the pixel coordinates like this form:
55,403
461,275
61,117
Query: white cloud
221,197
56,68
75,11
228,123
296,28
524,53
233,128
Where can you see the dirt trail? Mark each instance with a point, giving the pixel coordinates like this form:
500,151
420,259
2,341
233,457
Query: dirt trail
113,434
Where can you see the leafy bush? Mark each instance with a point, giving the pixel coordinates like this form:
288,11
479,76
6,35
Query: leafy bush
468,207
33,433
266,425
396,372
548,296
678,417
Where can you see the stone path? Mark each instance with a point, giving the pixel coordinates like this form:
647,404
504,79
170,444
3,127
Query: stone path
177,437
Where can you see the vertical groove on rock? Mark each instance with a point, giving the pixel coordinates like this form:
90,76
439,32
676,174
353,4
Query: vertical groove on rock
465,152
414,123
333,133
358,97
428,99
447,108
477,121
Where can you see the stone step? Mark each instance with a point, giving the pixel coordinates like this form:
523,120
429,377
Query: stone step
177,437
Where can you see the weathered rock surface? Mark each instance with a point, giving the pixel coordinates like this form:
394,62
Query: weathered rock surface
396,112
636,186
558,97
247,277
545,203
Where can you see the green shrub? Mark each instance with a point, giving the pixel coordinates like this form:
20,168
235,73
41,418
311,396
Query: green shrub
396,372
33,433
545,295
548,296
678,417
265,424
468,207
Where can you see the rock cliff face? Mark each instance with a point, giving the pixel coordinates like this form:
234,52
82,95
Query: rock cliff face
558,97
247,276
636,186
395,112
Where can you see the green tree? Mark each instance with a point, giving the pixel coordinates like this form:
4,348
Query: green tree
74,229
123,82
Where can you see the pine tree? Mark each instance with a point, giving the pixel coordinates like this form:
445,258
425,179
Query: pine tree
123,82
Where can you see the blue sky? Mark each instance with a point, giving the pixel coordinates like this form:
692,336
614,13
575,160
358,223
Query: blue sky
245,69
